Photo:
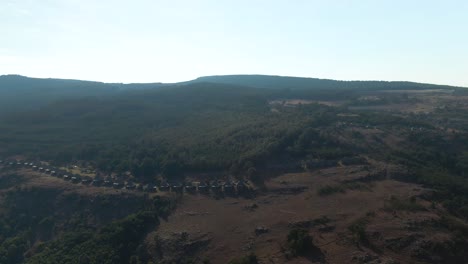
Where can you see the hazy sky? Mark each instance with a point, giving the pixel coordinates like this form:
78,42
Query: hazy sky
173,40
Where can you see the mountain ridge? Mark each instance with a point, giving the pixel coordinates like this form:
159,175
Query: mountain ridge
217,78
21,93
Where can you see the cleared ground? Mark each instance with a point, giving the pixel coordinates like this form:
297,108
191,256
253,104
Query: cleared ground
227,226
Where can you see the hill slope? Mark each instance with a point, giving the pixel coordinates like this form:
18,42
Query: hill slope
19,93
298,83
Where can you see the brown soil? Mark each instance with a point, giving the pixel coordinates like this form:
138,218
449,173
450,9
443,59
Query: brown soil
229,224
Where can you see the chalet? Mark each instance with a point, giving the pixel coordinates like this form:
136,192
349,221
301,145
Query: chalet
34,168
117,185
164,187
190,188
75,179
47,171
130,186
107,182
203,188
19,164
261,230
177,188
240,186
97,182
25,164
66,177
229,188
53,173
41,169
85,181
215,187
154,189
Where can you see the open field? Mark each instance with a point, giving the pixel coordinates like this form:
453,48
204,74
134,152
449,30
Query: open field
227,226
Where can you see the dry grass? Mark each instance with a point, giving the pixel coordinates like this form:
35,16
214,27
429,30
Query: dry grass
231,228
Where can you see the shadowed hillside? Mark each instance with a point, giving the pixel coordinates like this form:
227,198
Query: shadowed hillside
19,93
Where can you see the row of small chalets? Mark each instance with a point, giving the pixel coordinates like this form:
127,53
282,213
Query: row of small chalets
237,187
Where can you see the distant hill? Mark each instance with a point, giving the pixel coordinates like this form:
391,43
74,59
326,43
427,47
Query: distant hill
300,83
20,93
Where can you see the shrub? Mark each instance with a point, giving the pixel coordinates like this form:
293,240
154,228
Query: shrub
396,204
327,190
299,242
249,259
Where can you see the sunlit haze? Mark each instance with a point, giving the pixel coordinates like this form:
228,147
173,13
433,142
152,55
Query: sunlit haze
169,41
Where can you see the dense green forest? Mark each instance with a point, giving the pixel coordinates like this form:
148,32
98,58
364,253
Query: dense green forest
197,127
19,93
96,231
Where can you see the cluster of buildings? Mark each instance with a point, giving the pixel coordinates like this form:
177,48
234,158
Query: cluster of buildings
213,187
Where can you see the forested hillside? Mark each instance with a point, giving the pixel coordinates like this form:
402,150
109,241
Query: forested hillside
298,83
194,127
20,93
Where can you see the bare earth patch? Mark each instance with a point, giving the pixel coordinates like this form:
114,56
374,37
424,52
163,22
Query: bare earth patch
230,227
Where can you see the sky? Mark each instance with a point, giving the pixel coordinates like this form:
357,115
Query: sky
175,40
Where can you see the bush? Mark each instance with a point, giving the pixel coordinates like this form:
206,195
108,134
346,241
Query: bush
396,204
250,259
358,229
327,190
299,242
